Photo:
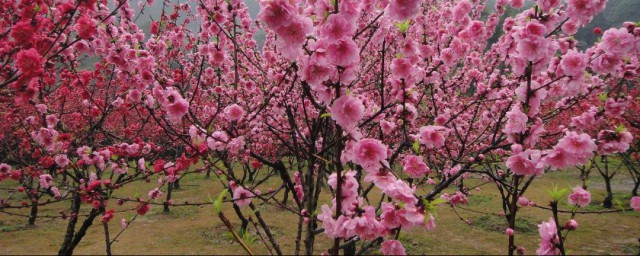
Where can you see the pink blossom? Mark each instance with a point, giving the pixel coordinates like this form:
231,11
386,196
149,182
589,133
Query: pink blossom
276,13
573,63
47,137
299,192
30,62
343,52
509,232
177,109
433,136
461,9
52,120
381,178
586,120
617,41
401,10
431,223
578,145
86,27
613,142
584,10
234,112
516,121
108,215
328,222
217,141
390,217
235,145
154,193
292,36
400,191
531,44
347,111
46,181
614,108
369,153
635,203
337,27
42,108
571,225
55,191
557,158
549,238
415,166
526,163
570,27
242,197
607,63
580,197
387,127
392,247
22,32
523,202
4,168
456,199
62,160
123,223
546,5
366,226
402,68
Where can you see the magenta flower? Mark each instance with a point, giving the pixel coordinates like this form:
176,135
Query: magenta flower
635,203
347,111
392,247
369,153
234,112
580,197
242,197
433,136
415,166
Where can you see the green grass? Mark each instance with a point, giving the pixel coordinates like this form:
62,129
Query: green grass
499,224
196,229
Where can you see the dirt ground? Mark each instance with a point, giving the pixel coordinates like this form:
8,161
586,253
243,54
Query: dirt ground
197,230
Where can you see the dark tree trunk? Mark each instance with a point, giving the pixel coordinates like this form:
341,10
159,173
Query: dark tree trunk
34,213
169,190
71,226
608,201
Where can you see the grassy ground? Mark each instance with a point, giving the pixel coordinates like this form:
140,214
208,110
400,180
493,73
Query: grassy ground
196,230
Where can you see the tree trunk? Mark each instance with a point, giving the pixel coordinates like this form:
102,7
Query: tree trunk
34,213
73,219
169,190
608,201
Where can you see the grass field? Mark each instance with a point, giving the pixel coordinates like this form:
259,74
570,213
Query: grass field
197,230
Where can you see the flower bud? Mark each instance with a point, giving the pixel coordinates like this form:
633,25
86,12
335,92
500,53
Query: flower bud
571,225
523,202
509,232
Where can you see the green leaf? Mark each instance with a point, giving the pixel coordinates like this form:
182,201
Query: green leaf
603,96
325,115
218,203
403,26
619,204
416,147
621,128
430,206
557,194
